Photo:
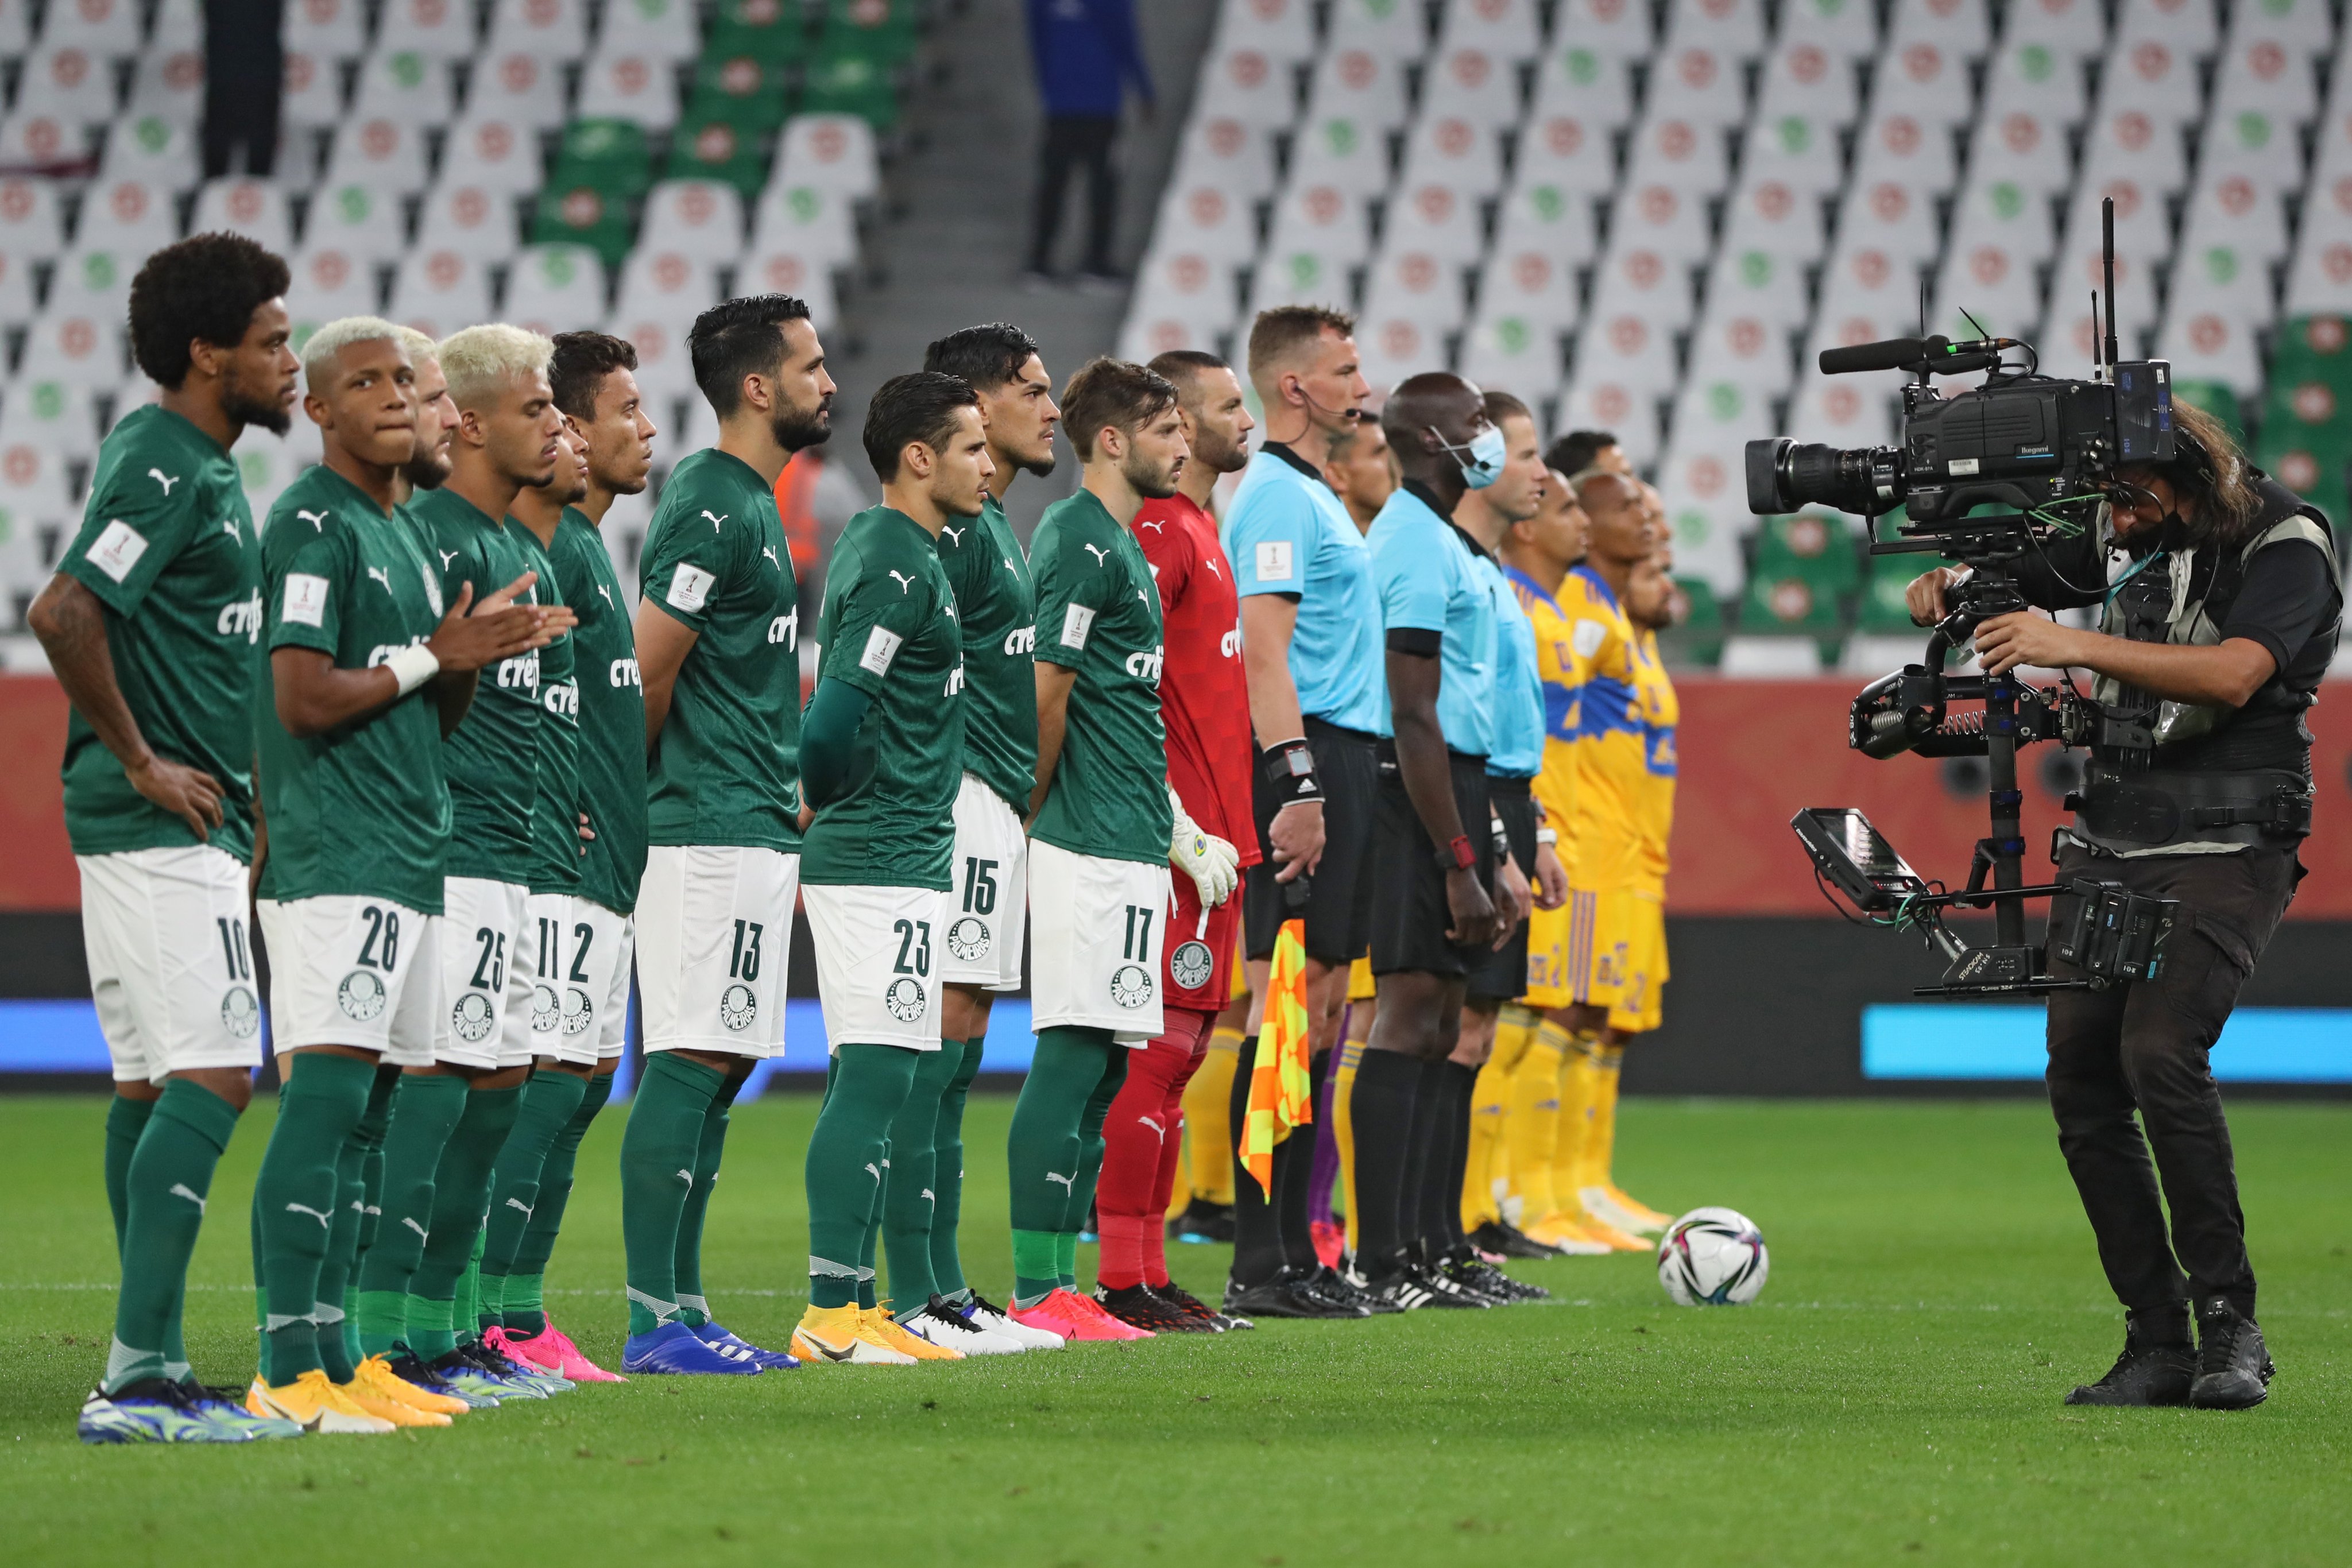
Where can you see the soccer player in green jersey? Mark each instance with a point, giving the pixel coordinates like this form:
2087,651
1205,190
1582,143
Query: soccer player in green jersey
881,755
1100,827
592,376
452,1116
369,667
718,636
151,624
996,603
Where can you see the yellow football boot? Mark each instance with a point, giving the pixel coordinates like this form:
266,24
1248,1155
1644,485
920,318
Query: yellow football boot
878,1325
837,1336
1567,1233
315,1405
374,1379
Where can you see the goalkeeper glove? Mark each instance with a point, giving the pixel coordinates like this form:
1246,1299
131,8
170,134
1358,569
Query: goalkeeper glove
1213,864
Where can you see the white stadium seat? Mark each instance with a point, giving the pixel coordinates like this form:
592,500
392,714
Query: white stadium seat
2306,26
2074,30
1473,85
836,153
1322,221
473,220
169,83
1281,29
1844,411
1532,284
1344,155
1246,85
2264,148
1593,401
1910,151
313,93
1211,222
1633,280
1957,26
1362,86
652,29
1434,219
2226,278
2326,211
112,29
1509,29
1393,347
383,153
2025,149
1593,88
1300,275
31,227
1185,294
1614,29
1546,219
439,291
1731,348
555,289
1796,151
1567,154
1892,219
253,208
2212,346
702,215
2320,277
1928,81
441,28
548,29
2154,77
408,85
666,282
1807,79
1627,352
618,85
267,463
1685,157
73,349
15,28
1734,26
780,269
17,306
2267,75
2187,26
1223,152
1760,285
2003,214
1867,294
1700,83
39,137
2081,268
1987,283
330,282
496,153
807,221
2037,79
2130,145
127,214
2234,211
1414,285
331,29
154,151
1654,217
516,85
57,418
357,220
1388,29
71,84
1512,354
1846,28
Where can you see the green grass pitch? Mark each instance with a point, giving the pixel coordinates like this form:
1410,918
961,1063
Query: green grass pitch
1893,1398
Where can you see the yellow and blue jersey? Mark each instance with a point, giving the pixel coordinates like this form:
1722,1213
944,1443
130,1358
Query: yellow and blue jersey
1598,846
1653,808
1555,781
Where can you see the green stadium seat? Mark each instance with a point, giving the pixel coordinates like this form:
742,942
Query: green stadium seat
1814,545
1880,611
713,146
2309,347
2306,438
1791,603
841,82
884,31
772,30
2216,399
749,92
610,154
1696,635
603,167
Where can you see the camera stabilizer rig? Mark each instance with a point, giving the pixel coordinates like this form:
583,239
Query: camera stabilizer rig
2042,454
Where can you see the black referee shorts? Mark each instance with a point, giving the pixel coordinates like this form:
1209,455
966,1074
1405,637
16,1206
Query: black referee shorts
1337,896
1410,916
1502,977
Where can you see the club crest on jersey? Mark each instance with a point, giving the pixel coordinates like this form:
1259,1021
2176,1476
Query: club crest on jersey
904,999
579,1012
969,939
546,1009
432,588
473,1018
360,995
241,1012
737,1006
1190,966
1131,986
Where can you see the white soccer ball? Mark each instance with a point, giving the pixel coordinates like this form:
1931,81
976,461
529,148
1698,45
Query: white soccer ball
1713,1257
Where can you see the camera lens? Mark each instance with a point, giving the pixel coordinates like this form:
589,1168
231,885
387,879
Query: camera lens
1784,474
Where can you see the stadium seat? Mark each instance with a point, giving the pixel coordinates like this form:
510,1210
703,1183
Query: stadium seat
1181,294
2306,27
1844,411
1611,29
16,306
1958,28
405,83
255,208
667,281
1808,79
383,153
495,153
267,463
2003,212
1508,29
2153,79
439,291
1594,402
845,82
2037,79
169,83
1243,84
1891,216
436,27
1211,221
1511,351
1393,32
360,223
1321,221
53,416
103,28
1760,285
1718,416
1986,282
1360,86
703,216
330,282
1930,82
1909,150
1299,277
74,351
93,280
1392,347
313,98
1696,635
473,220
1339,154
1431,219
1653,287
1654,217
2212,346
1733,348
520,86
33,140
2218,400
1736,27
1418,288
2024,149
1625,351
153,152
1688,158
31,227
544,29
1470,85
1699,83
1846,28
328,29
2263,76
1770,655
71,84
1798,153
836,153
615,86
1455,151
1280,29
1868,293
770,29
1221,152
664,371
127,214
2188,26
1708,511
776,271
2320,280
885,31
1564,153
178,24
554,289
2232,211
655,29
808,221
2070,29
1586,85
1532,284
2261,147
1544,218
707,144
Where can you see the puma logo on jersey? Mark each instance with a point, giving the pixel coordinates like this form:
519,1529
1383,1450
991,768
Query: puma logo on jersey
422,1233
517,1203
446,557
1211,562
871,1171
228,527
316,520
715,519
1155,527
1069,1181
181,1189
166,480
1145,1120
684,1176
903,581
380,575
606,595
955,536
1102,558
326,1221
771,554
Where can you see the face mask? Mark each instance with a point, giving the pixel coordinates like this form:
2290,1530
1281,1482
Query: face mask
1487,452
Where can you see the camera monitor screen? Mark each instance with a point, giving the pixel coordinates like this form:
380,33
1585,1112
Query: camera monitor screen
1853,855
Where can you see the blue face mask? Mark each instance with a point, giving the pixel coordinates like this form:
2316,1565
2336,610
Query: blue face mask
1482,460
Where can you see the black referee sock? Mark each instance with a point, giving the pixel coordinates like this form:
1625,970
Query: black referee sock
1257,1230
1460,1088
1294,1174
1380,1110
1417,1206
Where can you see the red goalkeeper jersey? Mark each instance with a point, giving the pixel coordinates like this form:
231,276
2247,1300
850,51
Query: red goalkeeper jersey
1204,700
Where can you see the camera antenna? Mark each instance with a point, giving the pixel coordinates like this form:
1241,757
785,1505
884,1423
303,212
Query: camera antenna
2098,370
2107,258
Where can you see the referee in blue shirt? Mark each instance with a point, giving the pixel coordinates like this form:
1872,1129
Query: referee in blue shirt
1311,651
1440,906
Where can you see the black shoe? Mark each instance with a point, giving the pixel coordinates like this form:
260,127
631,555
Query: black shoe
1184,1300
1282,1297
1138,1306
1508,1240
1475,1273
1444,1292
1403,1291
2146,1373
1203,1222
409,1367
2234,1369
1335,1286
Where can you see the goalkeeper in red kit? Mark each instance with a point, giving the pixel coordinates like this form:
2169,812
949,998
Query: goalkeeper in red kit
1204,707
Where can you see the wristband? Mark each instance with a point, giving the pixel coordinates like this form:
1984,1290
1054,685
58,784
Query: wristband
1546,835
1290,769
413,666
1458,855
1500,834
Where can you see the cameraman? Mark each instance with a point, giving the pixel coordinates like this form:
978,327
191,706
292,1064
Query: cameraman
2221,605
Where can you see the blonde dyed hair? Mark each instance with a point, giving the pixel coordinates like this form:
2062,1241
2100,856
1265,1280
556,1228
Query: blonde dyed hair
482,361
318,352
420,346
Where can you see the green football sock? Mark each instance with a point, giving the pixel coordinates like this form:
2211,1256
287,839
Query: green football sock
166,1186
947,1166
912,1195
369,1135
1090,1159
693,1307
126,1119
335,1271
1042,1153
517,1178
424,1111
657,1157
323,1098
522,1307
843,1174
524,1316
465,1314
461,1194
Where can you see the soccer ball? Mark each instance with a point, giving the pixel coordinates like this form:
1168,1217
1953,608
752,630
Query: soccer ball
1713,1257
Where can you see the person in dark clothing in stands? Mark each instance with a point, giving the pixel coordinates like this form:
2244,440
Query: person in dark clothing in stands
1088,55
245,75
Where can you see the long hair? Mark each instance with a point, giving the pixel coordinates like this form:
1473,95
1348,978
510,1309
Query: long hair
2212,477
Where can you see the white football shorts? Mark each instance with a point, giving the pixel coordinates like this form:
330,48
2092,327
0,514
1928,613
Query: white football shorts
878,963
486,975
596,984
1099,928
350,970
171,963
547,933
714,940
985,932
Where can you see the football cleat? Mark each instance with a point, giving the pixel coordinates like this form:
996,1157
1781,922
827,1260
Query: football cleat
492,1353
1065,1313
1580,1234
227,1407
152,1410
1331,1285
726,1344
1444,1292
552,1347
1504,1239
388,1406
465,1373
672,1347
374,1377
1288,1295
1203,1222
880,1328
1474,1273
315,1405
1141,1307
981,1312
1186,1301
838,1336
942,1322
410,1370
1607,1204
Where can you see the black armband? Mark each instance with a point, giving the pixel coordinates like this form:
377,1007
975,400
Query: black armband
1290,769
1417,641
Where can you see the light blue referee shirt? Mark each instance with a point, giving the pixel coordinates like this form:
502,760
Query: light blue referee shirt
1430,579
1518,683
1287,533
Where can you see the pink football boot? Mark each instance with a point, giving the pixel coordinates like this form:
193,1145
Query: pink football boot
552,1348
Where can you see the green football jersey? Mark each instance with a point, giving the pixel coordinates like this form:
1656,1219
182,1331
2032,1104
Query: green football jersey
889,628
611,714
168,546
364,810
494,754
726,770
997,602
555,808
1098,614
